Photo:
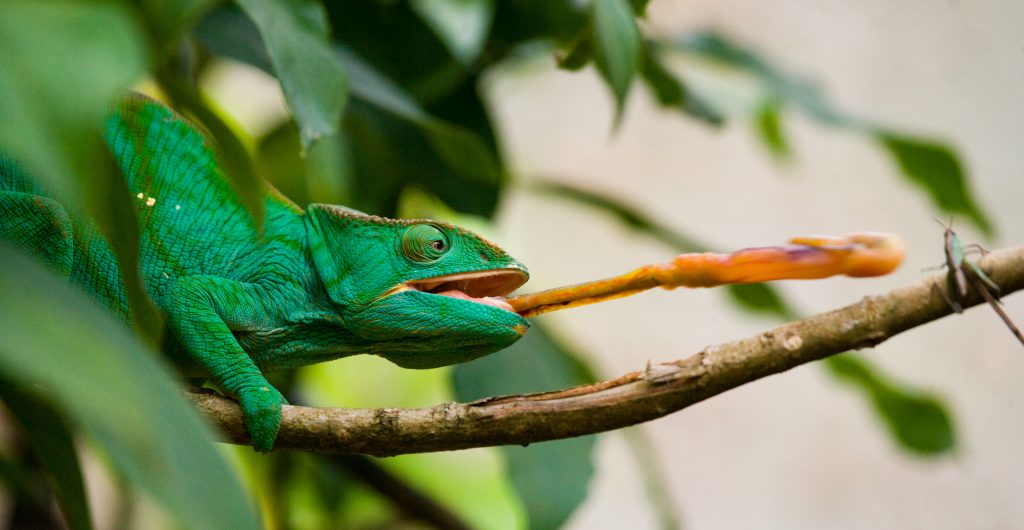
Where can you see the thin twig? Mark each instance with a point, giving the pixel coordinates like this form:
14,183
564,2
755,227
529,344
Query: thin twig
627,400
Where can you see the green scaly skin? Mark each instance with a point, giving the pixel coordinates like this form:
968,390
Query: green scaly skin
317,285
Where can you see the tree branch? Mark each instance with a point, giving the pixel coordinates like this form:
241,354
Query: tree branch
636,397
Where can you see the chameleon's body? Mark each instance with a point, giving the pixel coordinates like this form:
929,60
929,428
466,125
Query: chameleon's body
315,285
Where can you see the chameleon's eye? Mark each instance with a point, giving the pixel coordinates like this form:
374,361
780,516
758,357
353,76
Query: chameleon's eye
424,243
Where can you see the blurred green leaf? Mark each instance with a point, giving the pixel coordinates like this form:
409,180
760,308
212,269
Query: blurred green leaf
113,387
936,168
918,421
670,91
639,7
770,128
523,21
580,52
168,19
626,214
781,85
55,134
50,440
551,477
462,25
618,45
315,86
761,298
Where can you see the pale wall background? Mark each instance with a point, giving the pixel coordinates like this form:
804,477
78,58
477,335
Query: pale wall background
796,450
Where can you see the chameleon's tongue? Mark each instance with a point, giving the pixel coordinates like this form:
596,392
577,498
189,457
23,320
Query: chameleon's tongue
858,255
485,300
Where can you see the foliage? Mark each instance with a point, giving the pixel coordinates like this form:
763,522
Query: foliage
375,121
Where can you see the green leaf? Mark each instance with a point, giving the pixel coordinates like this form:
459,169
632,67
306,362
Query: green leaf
618,45
670,91
551,477
936,168
770,129
54,95
313,79
114,388
52,445
580,52
761,298
168,19
639,7
918,421
462,25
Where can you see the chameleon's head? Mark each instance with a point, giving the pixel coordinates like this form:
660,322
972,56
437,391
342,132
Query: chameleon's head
419,293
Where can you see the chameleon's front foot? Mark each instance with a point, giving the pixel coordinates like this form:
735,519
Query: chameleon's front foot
261,409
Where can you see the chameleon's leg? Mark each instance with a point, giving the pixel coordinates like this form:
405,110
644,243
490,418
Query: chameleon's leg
39,225
202,312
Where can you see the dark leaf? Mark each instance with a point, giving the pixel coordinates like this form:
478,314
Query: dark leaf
52,445
617,45
460,24
313,79
639,7
579,54
917,420
670,91
393,38
936,168
111,386
522,21
168,19
551,477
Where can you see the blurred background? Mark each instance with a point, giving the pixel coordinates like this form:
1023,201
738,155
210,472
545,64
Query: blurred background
798,119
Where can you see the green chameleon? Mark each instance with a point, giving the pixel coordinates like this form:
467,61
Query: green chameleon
316,285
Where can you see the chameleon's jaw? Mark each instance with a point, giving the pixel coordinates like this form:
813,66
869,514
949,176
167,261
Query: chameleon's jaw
482,287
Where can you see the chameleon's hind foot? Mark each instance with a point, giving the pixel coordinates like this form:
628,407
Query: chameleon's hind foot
261,409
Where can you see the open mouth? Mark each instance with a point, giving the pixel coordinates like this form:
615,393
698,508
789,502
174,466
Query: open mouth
482,287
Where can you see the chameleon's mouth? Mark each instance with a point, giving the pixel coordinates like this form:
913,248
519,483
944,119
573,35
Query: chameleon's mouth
482,287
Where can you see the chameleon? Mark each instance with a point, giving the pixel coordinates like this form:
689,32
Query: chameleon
325,282
313,285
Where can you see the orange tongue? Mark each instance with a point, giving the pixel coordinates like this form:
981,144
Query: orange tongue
859,254
486,300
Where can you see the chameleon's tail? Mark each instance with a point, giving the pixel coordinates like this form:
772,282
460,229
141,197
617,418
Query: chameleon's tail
859,255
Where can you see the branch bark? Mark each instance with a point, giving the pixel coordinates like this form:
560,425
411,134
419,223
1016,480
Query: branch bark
636,397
